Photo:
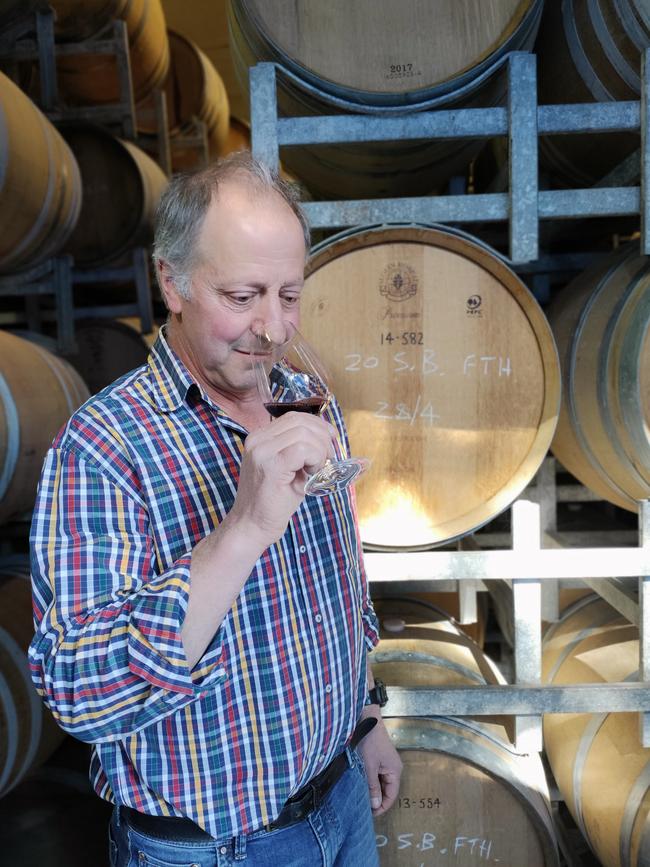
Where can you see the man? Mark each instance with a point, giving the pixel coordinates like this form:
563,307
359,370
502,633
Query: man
201,621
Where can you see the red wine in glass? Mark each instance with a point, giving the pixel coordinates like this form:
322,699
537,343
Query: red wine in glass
291,377
312,405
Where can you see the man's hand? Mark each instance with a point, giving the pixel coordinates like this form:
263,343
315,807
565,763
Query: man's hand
382,763
277,461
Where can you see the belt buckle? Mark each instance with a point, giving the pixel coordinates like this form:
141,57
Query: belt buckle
308,803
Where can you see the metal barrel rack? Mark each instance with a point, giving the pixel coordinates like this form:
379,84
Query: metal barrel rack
32,38
534,562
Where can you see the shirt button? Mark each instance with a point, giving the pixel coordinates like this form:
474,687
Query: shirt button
321,758
223,850
318,618
328,688
302,549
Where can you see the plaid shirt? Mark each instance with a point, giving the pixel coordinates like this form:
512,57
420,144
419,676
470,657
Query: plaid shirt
137,477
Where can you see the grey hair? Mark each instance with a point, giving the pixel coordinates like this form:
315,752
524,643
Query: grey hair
184,204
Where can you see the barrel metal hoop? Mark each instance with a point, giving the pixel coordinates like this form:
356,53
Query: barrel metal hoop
54,365
5,150
611,49
574,345
11,732
630,23
579,57
578,605
428,659
632,807
643,855
629,383
461,87
586,742
13,436
606,616
603,376
17,655
46,213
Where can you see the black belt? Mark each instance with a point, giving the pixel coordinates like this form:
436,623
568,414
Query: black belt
300,805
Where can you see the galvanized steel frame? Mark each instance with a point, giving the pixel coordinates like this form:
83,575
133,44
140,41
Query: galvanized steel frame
523,120
58,276
16,45
527,564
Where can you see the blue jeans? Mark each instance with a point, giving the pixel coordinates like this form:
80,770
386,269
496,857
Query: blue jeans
339,833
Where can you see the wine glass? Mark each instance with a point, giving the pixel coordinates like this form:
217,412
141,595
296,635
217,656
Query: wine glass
290,377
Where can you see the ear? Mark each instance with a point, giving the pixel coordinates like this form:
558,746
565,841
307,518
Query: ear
167,283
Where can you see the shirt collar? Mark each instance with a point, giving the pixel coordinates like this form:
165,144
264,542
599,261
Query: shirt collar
170,378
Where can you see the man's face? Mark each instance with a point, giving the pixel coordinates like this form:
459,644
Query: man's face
251,255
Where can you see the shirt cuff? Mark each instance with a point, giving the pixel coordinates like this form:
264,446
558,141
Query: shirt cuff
155,648
370,628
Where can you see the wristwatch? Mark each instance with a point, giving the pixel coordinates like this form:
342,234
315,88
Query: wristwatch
378,694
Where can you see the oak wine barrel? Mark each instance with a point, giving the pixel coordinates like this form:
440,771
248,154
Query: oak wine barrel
597,760
28,733
58,801
465,795
501,597
106,349
239,136
194,90
376,57
442,604
122,186
601,322
590,52
12,10
40,184
446,369
38,393
93,78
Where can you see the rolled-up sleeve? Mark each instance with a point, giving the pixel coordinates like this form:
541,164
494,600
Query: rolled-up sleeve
107,655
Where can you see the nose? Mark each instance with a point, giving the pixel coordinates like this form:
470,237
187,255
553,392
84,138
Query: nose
270,309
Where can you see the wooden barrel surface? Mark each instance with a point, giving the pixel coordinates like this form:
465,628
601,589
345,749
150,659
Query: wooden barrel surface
378,57
38,393
59,804
88,78
239,136
465,796
598,762
442,604
122,186
194,90
601,323
28,733
12,10
590,52
106,350
377,52
40,184
446,370
501,597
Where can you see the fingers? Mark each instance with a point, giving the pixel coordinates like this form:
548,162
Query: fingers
300,419
376,796
382,797
293,443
